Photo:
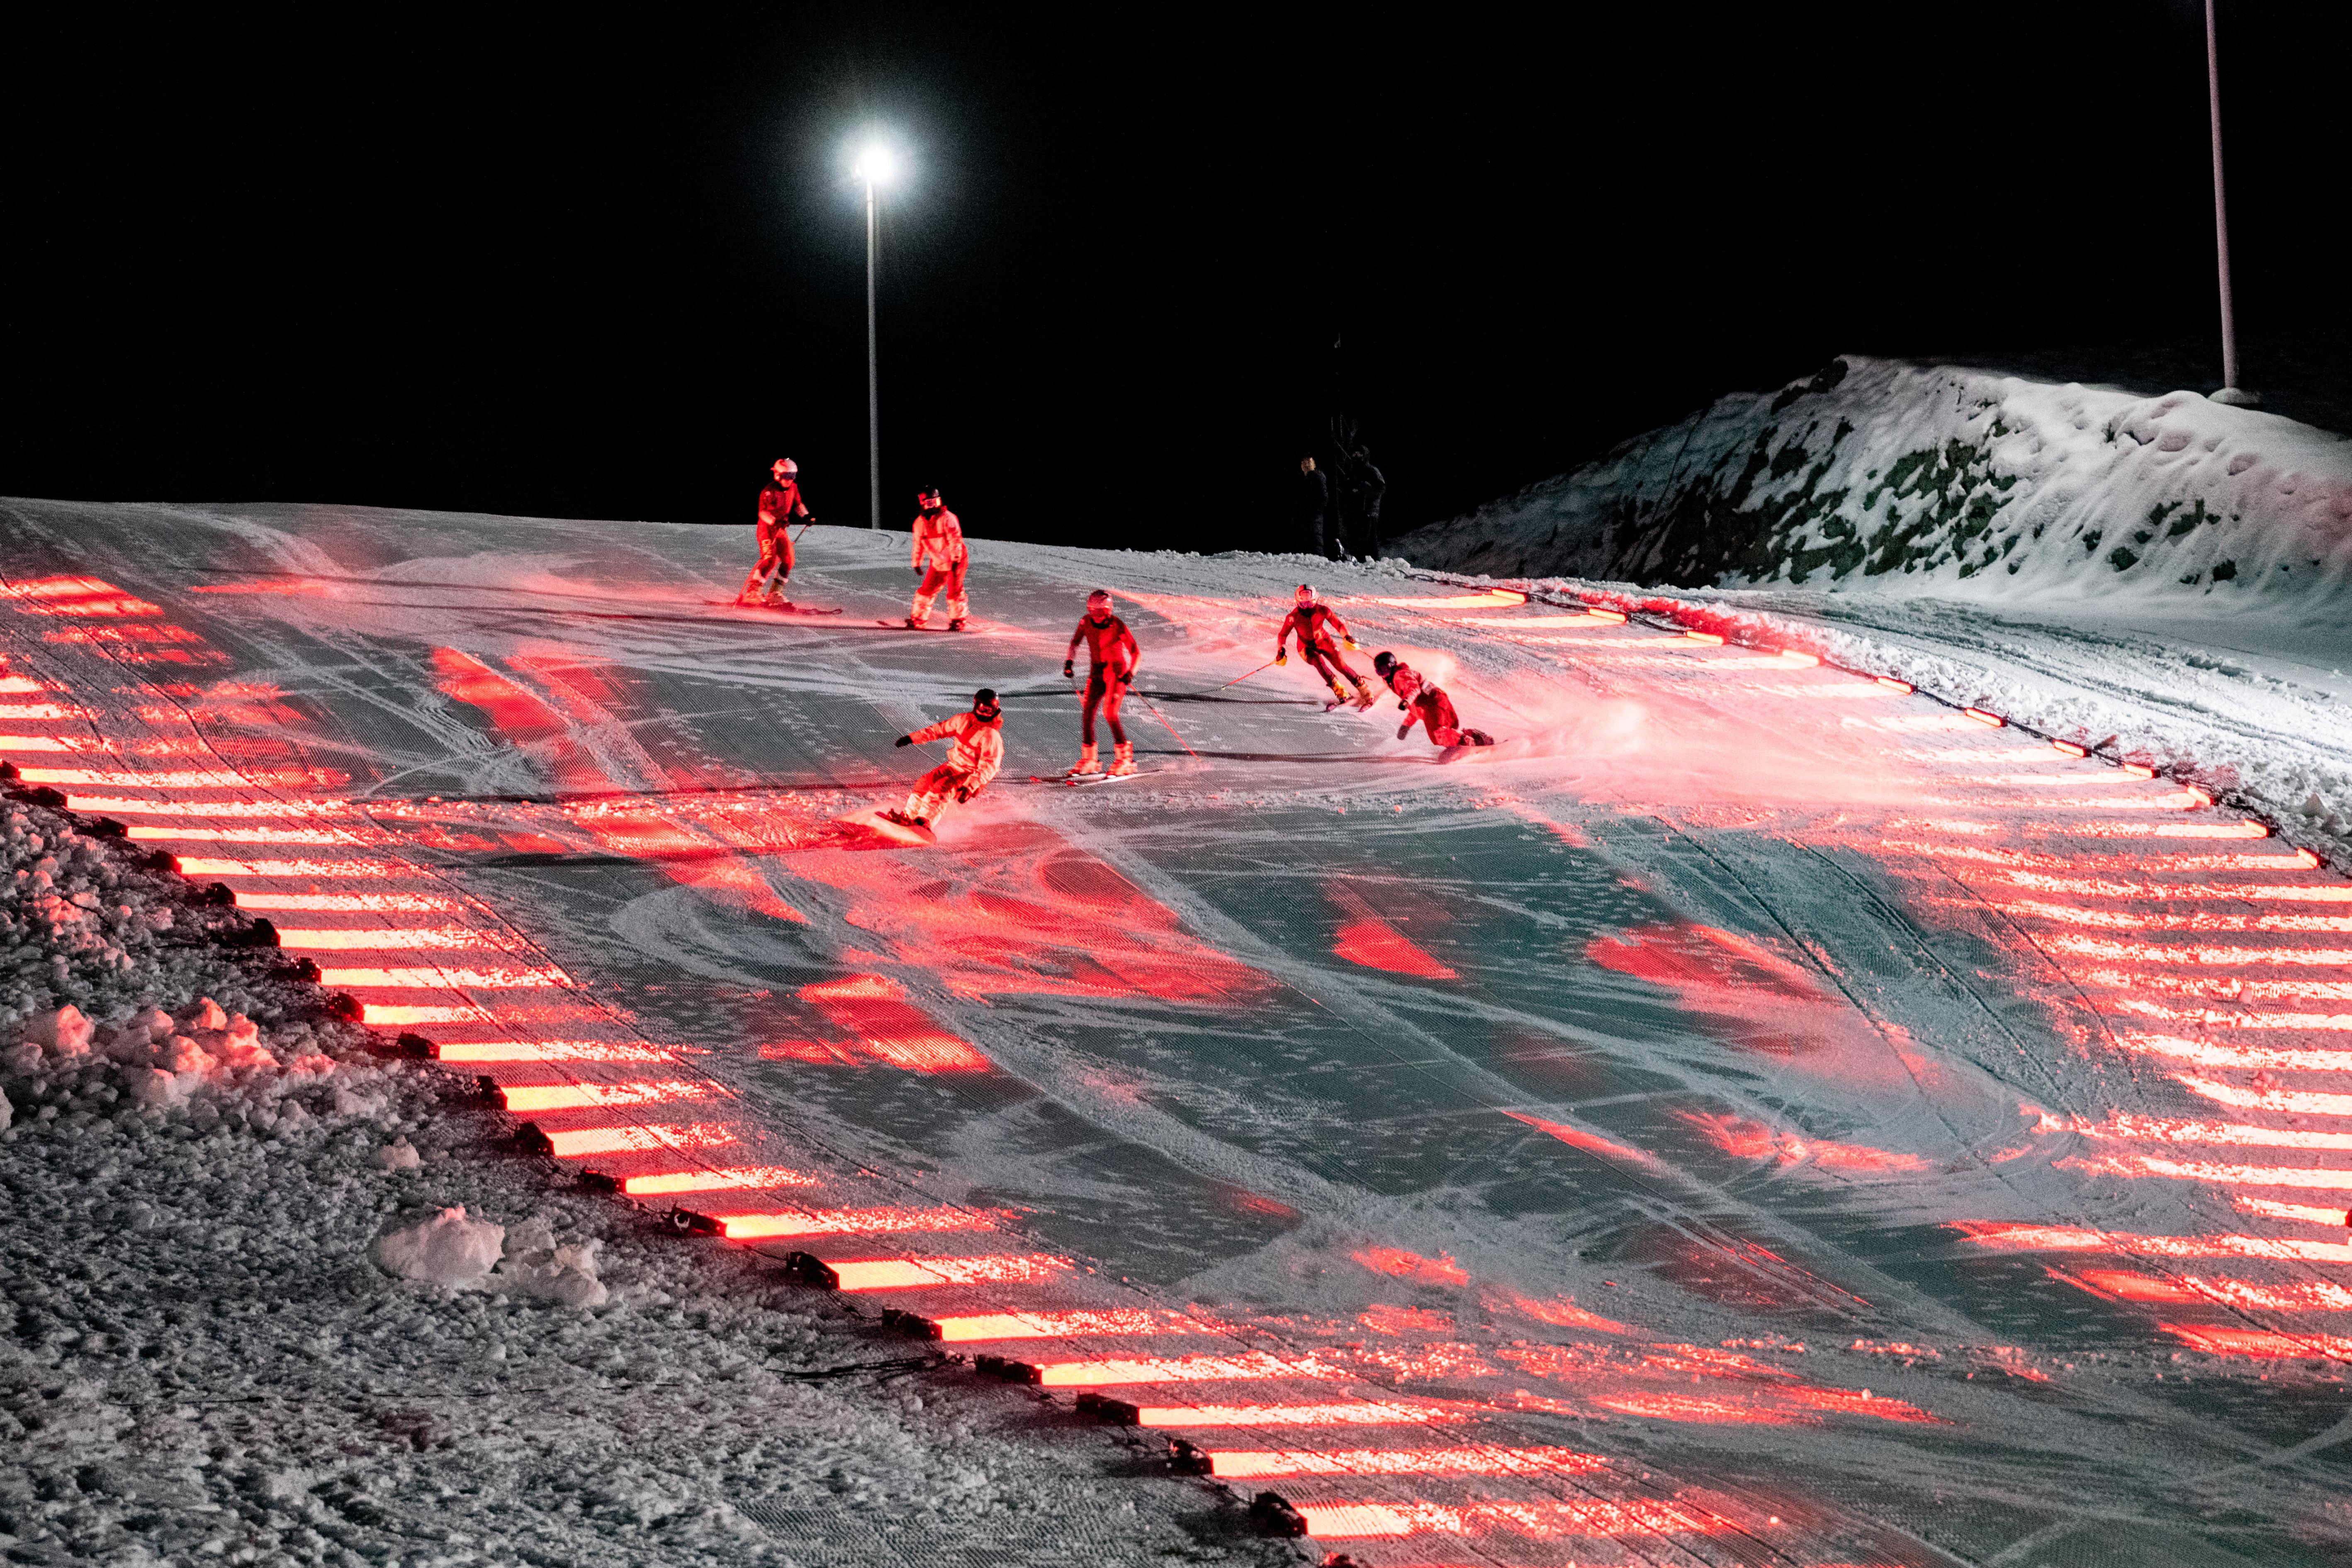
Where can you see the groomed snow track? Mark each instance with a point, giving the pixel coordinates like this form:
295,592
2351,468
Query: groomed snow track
1757,1115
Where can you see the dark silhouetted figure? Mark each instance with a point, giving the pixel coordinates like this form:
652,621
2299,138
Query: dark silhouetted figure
1310,504
1370,486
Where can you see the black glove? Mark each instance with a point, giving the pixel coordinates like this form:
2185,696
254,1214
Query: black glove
1401,707
1127,677
1069,669
904,740
963,793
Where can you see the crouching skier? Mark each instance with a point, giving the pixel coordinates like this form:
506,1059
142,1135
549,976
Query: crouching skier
1422,703
979,752
941,557
1113,654
1315,621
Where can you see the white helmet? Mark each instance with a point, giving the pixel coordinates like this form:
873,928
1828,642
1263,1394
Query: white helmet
786,465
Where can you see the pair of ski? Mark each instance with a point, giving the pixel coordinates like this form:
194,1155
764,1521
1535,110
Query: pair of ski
1085,781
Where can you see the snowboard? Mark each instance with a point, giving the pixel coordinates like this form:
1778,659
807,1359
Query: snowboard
888,825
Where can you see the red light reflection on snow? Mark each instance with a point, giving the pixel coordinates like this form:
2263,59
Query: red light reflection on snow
1373,943
580,1095
299,870
2014,1237
1755,1141
1246,1367
1402,1265
80,596
2317,1296
889,1028
1356,1521
847,1222
2306,1102
335,939
2189,1130
551,1051
340,903
1354,1412
1260,1464
1493,599
445,979
735,1178
2264,1344
1590,1142
1121,1323
914,1274
1563,1312
583,1141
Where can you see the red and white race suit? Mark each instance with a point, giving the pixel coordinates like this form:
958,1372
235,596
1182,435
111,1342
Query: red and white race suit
941,554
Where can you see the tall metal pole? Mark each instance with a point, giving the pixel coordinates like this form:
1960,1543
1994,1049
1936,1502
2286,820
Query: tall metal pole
873,377
2220,213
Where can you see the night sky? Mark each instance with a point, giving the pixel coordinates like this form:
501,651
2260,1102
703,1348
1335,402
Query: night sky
582,263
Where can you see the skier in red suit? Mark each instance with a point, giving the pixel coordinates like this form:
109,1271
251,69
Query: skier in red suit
779,503
1315,621
941,557
1113,655
1424,704
979,752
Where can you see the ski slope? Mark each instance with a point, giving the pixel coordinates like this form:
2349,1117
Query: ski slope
1752,1115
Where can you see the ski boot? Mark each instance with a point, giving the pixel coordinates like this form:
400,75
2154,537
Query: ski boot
913,624
773,600
956,625
1363,697
1122,762
1088,765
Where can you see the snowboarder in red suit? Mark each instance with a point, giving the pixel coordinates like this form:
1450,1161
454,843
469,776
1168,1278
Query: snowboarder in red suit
1424,704
1315,622
779,503
1112,654
979,752
941,557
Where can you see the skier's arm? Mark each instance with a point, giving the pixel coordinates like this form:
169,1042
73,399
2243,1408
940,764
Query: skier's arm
1346,636
1134,652
938,731
1282,638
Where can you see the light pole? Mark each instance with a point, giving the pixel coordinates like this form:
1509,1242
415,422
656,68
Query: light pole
2229,392
875,167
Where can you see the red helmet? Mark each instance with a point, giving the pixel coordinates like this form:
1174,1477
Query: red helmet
1305,594
1099,596
786,465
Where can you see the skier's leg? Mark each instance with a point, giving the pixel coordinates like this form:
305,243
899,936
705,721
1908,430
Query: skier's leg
1316,656
1086,715
1112,700
1445,735
924,594
956,607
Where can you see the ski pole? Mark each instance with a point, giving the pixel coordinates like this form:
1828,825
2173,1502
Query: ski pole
1172,729
1236,681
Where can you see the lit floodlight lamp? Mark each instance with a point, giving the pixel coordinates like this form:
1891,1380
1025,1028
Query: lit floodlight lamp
877,164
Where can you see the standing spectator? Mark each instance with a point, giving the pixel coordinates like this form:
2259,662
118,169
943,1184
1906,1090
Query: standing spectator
1311,500
1371,485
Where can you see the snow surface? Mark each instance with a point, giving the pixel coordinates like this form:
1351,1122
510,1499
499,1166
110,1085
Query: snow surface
1611,1098
2167,570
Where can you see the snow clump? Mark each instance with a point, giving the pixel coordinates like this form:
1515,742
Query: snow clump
448,1250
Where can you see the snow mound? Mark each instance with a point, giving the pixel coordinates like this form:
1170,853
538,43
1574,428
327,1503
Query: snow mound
399,1155
448,1250
1886,478
537,1267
